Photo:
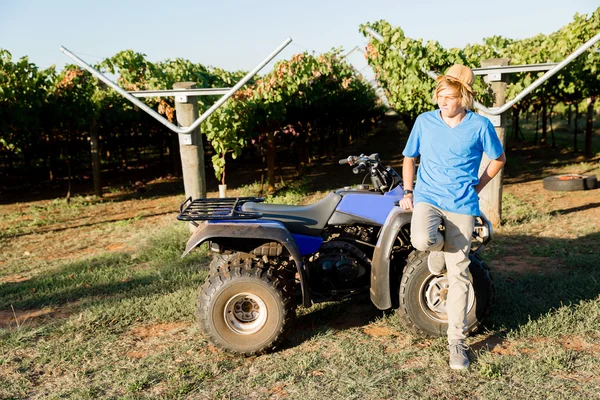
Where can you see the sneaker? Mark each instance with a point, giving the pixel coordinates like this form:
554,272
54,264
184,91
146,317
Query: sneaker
436,262
458,356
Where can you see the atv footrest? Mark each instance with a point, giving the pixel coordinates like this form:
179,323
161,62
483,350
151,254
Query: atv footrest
217,209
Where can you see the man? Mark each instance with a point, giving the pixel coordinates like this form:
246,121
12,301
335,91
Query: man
451,142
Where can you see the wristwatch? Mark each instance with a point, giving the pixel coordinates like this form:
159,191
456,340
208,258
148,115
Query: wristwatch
408,191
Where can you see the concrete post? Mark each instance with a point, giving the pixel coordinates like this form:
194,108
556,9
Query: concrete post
190,145
491,196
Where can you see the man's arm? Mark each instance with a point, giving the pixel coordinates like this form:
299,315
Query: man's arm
408,176
490,172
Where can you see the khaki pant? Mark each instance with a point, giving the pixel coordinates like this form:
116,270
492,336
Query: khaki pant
456,247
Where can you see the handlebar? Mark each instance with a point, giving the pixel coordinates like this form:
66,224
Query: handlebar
383,179
364,159
361,167
360,163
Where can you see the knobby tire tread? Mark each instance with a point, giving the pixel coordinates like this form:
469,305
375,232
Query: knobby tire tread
408,270
414,260
281,279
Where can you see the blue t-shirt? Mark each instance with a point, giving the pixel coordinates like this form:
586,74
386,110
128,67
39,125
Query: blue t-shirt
450,159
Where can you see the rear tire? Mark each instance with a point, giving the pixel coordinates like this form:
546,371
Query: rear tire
246,307
422,308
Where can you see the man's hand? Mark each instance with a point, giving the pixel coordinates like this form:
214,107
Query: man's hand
407,202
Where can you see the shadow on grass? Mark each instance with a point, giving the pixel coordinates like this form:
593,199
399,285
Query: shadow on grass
95,223
332,317
548,274
109,278
542,275
575,209
533,276
526,162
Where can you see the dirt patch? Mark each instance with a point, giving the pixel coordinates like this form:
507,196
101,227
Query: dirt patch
573,343
29,318
159,389
116,247
519,263
142,341
148,332
278,391
138,355
493,344
501,346
576,343
398,344
212,349
424,344
14,279
379,331
415,363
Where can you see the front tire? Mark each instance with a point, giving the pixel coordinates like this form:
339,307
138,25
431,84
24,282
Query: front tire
422,296
246,307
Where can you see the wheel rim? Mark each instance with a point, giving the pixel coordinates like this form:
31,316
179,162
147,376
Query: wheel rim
434,295
245,313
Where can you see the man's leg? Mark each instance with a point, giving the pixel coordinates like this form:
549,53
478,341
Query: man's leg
424,233
459,228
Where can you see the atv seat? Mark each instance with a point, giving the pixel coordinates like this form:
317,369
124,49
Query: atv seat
305,220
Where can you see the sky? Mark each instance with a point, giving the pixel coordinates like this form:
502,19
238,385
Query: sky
238,35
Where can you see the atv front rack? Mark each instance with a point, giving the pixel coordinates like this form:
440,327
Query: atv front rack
217,209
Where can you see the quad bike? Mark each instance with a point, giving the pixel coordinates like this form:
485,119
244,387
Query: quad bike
271,257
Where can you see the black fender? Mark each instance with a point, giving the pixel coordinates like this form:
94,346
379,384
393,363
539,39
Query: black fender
266,229
380,267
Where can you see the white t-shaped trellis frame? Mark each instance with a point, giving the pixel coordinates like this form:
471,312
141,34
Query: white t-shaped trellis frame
227,93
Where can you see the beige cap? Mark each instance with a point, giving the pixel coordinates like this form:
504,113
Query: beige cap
462,74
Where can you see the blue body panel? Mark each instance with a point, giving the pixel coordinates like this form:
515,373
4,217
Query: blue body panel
366,206
398,192
374,208
307,244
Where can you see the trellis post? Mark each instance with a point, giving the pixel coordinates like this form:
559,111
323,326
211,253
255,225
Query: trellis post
491,196
190,145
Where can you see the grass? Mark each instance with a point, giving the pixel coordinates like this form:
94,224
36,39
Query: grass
120,323
101,300
128,332
517,212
